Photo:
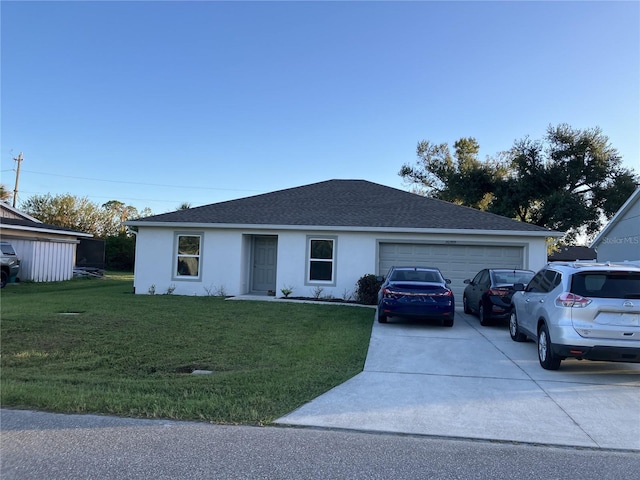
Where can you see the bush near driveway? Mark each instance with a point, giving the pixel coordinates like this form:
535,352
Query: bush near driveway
90,345
367,289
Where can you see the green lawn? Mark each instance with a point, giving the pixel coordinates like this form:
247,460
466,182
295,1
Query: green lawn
92,346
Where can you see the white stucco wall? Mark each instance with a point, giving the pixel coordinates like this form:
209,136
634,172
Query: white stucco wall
226,254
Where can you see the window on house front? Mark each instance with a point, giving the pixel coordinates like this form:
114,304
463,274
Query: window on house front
188,256
321,267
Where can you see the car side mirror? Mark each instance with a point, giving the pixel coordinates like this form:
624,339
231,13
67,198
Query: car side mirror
518,287
468,280
380,278
447,281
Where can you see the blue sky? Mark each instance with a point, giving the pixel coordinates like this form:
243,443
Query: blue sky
159,103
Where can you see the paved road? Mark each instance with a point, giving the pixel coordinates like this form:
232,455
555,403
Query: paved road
475,382
44,446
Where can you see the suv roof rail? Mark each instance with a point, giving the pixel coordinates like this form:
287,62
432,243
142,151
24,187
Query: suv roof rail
578,264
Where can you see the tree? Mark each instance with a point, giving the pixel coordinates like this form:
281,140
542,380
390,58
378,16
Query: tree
78,213
461,178
120,252
5,194
571,180
68,211
116,213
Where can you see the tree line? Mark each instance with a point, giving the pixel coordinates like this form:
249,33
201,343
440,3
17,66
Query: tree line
81,214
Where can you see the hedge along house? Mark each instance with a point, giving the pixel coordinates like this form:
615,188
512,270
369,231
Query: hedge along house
321,238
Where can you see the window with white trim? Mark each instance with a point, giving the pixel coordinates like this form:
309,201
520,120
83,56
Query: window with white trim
321,260
187,261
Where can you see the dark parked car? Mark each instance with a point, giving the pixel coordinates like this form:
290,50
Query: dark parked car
418,292
580,310
10,265
489,293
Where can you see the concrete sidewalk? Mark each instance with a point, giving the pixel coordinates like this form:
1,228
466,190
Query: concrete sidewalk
475,382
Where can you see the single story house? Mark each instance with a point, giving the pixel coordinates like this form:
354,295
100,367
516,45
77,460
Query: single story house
47,252
619,240
319,239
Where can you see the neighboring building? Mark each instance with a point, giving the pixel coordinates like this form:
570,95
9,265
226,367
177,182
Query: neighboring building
47,253
619,240
7,211
572,254
324,236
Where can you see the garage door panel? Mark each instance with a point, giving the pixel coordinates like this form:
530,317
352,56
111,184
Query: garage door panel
513,255
457,262
474,251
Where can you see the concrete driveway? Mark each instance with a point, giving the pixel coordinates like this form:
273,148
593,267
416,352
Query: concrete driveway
475,382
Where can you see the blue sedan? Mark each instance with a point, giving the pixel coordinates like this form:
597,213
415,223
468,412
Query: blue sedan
416,292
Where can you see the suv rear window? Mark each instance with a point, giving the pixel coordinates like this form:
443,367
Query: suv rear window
606,284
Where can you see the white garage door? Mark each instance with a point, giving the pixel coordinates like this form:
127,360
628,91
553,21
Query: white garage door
456,262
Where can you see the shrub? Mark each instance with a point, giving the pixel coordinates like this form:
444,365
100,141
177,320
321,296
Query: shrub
367,289
120,252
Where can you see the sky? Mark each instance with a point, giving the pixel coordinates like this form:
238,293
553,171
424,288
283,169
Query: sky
156,104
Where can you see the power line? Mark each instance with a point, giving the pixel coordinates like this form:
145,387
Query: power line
142,183
111,197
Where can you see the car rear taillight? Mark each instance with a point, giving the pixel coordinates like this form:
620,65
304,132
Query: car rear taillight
572,300
499,292
439,293
388,293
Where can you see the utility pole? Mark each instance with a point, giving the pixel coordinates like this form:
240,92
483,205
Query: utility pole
15,190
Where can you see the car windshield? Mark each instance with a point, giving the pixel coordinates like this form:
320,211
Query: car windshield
609,284
7,249
412,275
510,277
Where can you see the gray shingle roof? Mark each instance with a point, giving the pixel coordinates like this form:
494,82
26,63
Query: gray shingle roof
39,226
343,203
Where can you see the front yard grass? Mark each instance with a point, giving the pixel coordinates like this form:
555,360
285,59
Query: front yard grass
91,346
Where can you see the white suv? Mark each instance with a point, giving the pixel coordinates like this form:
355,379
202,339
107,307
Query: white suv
581,310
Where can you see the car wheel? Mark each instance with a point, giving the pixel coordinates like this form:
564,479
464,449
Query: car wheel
4,279
447,322
382,318
514,331
548,360
483,320
465,305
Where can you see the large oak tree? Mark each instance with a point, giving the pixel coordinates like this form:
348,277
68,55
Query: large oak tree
572,180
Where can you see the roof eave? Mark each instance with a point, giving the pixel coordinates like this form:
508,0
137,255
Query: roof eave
334,228
68,233
23,215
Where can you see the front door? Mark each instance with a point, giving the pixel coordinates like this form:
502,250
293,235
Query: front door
264,255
